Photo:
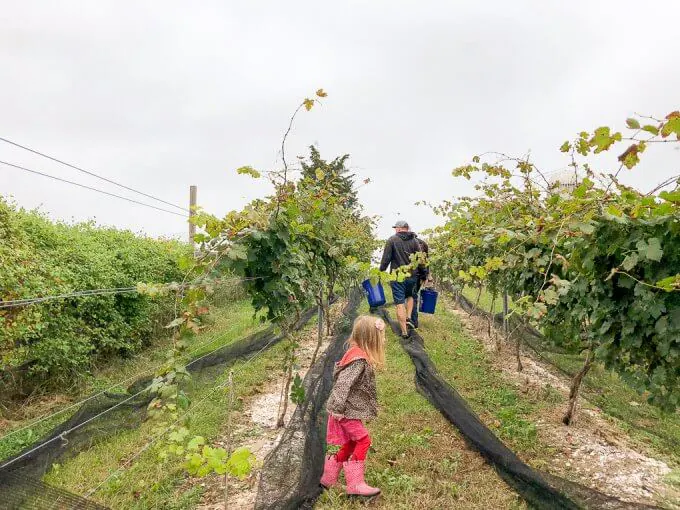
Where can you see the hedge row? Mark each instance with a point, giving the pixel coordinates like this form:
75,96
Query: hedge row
61,339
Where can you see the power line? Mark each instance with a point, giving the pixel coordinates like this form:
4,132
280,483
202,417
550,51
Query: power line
92,189
91,173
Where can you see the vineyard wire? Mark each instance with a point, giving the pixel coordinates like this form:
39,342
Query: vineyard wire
91,173
131,378
93,189
45,417
186,413
63,434
83,293
96,292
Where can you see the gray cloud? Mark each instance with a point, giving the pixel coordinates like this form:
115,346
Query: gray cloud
160,95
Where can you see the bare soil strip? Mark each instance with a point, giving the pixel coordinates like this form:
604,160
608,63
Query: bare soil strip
592,450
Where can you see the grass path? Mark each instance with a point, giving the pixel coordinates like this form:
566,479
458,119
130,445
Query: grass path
149,482
653,429
228,324
524,410
418,459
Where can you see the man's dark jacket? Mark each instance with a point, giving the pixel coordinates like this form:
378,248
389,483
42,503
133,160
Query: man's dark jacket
398,250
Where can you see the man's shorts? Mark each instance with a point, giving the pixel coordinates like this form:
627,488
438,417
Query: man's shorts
403,290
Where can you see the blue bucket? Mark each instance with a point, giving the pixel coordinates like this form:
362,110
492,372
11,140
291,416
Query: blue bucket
375,293
428,300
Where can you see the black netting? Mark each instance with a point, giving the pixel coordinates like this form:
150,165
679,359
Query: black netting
536,341
530,335
540,490
103,416
22,493
291,472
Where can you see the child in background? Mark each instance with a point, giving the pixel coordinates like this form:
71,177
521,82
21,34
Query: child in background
354,400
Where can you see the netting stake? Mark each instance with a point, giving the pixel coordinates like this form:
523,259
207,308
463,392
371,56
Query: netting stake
320,318
229,409
505,312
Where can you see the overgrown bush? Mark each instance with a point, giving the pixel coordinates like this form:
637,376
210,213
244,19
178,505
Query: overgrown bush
58,340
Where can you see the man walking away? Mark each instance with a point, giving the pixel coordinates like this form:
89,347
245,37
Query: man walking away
422,276
398,251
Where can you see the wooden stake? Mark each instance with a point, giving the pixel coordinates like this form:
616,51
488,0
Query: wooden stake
193,191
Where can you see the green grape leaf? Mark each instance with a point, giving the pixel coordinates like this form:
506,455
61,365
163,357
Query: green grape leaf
297,392
672,125
670,284
654,251
670,196
602,139
630,261
650,249
550,296
248,170
241,462
195,443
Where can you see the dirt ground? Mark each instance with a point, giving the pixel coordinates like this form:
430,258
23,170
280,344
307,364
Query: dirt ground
592,450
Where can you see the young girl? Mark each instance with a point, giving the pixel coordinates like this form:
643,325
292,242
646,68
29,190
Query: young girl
353,400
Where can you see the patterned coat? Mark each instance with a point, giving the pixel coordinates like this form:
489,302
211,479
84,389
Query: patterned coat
354,394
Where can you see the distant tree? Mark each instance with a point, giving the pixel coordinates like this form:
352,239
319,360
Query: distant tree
332,175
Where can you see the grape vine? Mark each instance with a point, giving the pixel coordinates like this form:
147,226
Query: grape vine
293,249
594,263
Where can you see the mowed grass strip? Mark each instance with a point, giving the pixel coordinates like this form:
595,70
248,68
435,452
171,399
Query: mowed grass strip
418,459
225,325
647,425
465,364
150,482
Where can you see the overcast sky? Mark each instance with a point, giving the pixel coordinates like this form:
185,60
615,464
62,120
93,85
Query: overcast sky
159,95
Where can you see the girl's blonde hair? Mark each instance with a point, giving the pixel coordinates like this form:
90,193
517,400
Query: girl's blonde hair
368,334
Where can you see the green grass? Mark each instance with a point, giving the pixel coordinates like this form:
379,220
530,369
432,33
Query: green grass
149,482
225,323
418,459
485,299
464,362
647,425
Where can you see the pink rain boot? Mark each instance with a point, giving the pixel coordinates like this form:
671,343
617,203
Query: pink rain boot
356,485
331,471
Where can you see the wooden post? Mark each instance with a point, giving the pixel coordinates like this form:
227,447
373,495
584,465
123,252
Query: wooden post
192,212
320,317
506,326
319,337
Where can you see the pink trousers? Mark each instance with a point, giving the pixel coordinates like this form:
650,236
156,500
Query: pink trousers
351,435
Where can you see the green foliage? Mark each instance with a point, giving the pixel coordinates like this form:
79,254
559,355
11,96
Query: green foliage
58,340
201,460
297,391
595,267
249,170
292,248
311,232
